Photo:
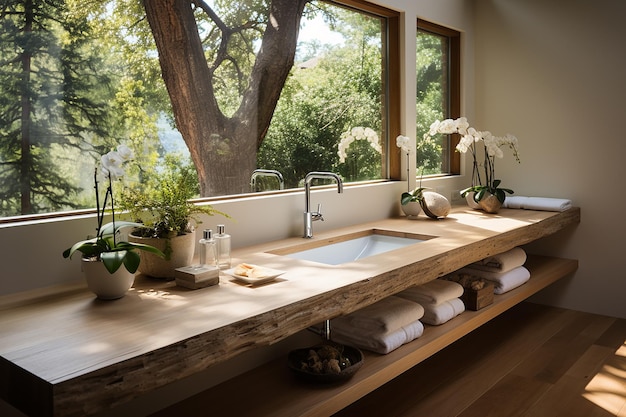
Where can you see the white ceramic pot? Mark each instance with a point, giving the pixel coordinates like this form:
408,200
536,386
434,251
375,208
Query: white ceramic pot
180,249
411,209
469,198
105,285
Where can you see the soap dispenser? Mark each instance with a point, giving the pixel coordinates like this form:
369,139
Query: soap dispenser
222,241
208,249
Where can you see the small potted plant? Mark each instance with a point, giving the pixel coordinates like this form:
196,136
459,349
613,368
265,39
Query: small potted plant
410,201
485,192
104,255
490,196
163,208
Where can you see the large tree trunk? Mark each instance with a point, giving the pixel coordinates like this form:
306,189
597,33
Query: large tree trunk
223,149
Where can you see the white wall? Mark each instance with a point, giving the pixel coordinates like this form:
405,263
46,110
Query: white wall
552,73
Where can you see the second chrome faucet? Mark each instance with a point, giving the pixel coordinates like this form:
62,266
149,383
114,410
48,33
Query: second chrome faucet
311,216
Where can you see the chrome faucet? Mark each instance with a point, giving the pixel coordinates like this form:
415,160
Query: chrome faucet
309,216
266,173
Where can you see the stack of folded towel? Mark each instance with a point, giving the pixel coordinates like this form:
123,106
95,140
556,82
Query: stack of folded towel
439,298
380,327
537,203
505,270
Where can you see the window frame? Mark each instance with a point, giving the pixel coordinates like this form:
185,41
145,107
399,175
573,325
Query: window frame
391,162
454,83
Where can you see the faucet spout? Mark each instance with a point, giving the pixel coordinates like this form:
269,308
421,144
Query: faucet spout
310,217
266,173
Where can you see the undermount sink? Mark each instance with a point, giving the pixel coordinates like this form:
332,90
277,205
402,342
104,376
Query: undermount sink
352,247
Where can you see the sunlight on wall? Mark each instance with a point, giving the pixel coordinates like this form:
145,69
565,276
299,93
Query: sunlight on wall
607,389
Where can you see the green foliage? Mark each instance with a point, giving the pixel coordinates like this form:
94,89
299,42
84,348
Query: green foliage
161,201
95,82
319,103
74,83
111,252
482,191
46,101
413,196
431,102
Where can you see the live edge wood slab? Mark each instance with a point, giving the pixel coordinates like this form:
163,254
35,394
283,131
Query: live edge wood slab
65,353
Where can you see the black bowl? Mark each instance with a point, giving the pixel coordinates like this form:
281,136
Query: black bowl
298,356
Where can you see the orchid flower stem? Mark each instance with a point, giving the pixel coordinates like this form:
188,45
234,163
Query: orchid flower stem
110,191
408,184
98,214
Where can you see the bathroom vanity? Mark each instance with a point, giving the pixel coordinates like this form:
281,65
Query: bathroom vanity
65,353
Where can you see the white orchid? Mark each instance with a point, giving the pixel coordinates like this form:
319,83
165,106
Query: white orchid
125,152
111,163
470,137
448,127
404,143
105,246
357,133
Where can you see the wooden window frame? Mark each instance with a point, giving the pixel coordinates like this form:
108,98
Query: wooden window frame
454,39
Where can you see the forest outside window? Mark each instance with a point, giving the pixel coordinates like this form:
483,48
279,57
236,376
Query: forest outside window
81,77
438,96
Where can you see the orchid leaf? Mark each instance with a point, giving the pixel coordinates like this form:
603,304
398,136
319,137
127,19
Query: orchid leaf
406,198
113,260
131,261
113,227
86,247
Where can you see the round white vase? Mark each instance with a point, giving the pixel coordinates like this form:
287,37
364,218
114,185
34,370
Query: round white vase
469,198
412,209
105,285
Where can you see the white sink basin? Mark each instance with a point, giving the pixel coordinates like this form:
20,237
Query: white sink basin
354,247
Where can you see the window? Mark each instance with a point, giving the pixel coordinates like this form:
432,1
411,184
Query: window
79,81
438,96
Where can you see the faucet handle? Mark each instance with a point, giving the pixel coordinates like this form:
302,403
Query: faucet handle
318,214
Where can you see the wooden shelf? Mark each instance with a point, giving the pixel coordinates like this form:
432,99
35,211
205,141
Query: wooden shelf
271,389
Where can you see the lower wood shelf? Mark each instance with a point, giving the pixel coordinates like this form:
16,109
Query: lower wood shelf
272,390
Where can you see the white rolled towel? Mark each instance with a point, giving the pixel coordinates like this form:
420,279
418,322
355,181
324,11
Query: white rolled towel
537,203
433,292
502,282
436,314
382,343
502,262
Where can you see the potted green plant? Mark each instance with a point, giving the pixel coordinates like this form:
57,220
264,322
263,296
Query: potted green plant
163,208
485,192
489,196
410,201
104,254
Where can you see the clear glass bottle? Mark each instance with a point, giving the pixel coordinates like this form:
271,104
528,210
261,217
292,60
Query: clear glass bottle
223,247
208,249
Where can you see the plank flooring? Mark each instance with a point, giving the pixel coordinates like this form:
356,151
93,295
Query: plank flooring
531,361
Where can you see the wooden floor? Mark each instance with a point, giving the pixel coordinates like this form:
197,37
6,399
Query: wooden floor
532,360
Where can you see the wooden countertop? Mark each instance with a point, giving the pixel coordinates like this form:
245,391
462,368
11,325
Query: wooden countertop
67,353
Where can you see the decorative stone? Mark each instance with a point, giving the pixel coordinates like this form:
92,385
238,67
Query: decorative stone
435,205
196,277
